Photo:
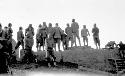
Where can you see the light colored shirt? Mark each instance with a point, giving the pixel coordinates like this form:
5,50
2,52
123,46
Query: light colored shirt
84,32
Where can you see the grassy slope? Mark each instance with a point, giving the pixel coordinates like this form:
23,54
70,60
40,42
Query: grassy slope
88,57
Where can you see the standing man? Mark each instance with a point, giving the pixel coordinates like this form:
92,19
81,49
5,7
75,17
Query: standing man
29,33
57,35
9,43
75,31
20,38
95,32
39,40
64,40
68,31
9,36
50,52
51,33
50,30
84,34
44,34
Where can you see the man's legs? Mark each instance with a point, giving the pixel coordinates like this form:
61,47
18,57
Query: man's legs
67,38
50,55
84,41
54,58
77,35
72,41
17,45
55,41
40,46
48,58
99,43
43,43
22,43
66,44
95,41
75,40
37,44
63,45
58,41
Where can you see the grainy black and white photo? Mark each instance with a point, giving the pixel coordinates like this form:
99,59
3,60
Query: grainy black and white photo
62,38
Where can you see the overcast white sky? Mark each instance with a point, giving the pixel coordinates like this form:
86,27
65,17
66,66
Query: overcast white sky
108,14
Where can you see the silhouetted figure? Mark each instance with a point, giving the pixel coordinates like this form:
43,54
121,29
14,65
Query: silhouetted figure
110,45
44,31
75,31
50,52
4,56
20,38
9,43
84,34
29,33
95,32
50,30
57,35
51,33
68,31
64,41
121,49
39,39
45,26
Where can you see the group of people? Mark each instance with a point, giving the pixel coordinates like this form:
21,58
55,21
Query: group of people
69,34
47,37
6,52
121,47
57,34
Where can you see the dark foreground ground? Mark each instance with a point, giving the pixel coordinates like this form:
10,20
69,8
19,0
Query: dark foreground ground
94,62
41,69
